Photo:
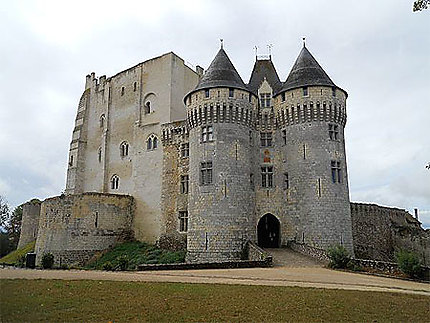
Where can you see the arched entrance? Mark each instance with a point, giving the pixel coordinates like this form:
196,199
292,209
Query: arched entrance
268,232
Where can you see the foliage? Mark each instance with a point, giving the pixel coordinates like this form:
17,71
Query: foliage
5,244
120,301
420,5
123,262
107,266
47,260
136,253
13,258
409,263
339,257
11,223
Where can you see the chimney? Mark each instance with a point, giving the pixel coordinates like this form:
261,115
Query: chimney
199,70
416,213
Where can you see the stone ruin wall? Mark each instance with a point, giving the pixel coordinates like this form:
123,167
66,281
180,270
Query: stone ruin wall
379,232
74,227
30,222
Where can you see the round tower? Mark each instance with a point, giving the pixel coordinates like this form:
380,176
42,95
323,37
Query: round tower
311,114
220,115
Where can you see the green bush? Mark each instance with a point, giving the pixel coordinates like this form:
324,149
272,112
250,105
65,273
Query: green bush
107,266
409,263
339,257
123,262
47,260
21,261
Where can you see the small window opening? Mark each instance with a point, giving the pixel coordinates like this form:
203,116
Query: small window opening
206,173
114,182
147,107
333,91
230,92
185,150
183,221
122,91
102,121
123,149
333,131
207,133
284,136
336,172
100,154
71,161
305,91
286,181
267,176
266,139
206,93
152,142
134,86
283,97
184,184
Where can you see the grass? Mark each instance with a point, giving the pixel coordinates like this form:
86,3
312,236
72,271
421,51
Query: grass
137,253
15,256
104,301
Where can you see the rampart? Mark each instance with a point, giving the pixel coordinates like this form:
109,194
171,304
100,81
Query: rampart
379,232
30,222
74,227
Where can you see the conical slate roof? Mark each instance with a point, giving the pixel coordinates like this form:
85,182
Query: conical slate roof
221,73
264,68
305,72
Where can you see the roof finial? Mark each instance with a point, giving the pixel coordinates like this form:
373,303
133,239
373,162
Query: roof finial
222,43
256,52
304,41
269,47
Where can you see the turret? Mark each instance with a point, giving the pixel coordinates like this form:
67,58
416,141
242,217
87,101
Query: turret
311,116
221,115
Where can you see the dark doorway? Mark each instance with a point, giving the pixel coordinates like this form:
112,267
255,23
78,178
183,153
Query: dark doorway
268,231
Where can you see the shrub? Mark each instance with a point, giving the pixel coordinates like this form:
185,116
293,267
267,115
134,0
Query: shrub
409,263
339,257
47,260
123,262
107,266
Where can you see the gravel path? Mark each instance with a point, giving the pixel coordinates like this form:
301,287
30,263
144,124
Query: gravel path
277,276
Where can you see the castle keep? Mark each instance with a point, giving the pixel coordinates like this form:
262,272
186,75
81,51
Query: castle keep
203,161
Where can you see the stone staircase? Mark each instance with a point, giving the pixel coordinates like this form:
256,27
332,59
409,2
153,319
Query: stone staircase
285,257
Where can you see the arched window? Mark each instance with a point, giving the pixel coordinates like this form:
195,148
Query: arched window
152,142
123,149
102,121
114,182
147,107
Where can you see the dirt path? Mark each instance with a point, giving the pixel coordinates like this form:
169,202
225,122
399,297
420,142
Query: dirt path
277,276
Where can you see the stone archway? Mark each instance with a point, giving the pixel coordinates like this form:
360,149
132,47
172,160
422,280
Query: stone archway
268,231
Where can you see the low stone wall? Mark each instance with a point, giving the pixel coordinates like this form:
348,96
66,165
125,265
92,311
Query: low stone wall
209,265
388,267
317,253
74,227
255,253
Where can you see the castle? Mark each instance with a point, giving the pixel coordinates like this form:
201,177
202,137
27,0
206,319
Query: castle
203,161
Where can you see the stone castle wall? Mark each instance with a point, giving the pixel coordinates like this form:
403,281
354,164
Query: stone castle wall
30,222
74,227
380,231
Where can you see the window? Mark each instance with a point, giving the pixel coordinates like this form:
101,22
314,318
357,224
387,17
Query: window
251,140
286,181
134,86
147,107
333,131
265,100
114,182
71,161
333,91
123,149
183,221
305,91
184,184
100,154
206,93
284,136
206,173
283,97
267,176
152,142
122,91
336,172
207,133
102,121
185,150
249,97
230,92
266,139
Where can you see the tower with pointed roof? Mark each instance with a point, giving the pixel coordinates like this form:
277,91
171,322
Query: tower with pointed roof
221,113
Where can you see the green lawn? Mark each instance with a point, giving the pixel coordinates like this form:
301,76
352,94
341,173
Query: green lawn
14,256
104,301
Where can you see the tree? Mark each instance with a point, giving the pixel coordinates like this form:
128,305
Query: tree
11,222
420,5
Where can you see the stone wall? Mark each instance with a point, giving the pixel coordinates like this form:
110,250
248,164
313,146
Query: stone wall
380,231
74,227
30,222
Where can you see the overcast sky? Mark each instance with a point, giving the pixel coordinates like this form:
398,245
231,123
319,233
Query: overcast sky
378,51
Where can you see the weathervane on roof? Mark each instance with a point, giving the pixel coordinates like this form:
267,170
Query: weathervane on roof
304,41
269,48
222,43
